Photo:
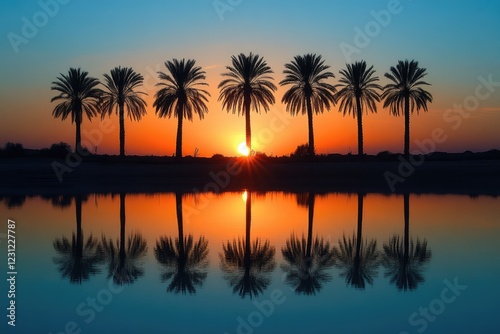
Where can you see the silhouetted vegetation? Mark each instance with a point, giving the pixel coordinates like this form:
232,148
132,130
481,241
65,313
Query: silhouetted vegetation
308,92
247,85
247,264
183,259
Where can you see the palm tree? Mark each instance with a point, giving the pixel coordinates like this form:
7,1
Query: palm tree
247,86
78,258
181,96
405,94
308,93
121,85
124,258
358,258
307,260
405,260
358,93
184,260
247,264
79,96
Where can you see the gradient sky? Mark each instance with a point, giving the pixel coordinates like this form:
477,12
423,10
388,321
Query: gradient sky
457,41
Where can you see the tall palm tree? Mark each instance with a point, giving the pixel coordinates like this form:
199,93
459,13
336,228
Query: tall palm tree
121,86
405,94
358,258
246,264
405,260
184,260
79,96
181,95
78,259
308,92
358,93
125,256
307,260
247,86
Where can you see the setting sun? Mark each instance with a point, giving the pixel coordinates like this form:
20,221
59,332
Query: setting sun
243,149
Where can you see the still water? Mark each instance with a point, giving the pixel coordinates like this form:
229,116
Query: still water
248,262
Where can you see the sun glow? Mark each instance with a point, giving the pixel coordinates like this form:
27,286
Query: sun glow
244,196
243,149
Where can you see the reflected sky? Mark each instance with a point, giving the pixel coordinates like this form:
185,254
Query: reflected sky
461,233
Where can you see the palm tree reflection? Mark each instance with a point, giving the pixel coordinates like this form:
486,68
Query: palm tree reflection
183,259
359,259
247,265
405,259
78,259
125,258
307,261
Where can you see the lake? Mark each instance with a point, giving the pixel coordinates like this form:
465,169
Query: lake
254,262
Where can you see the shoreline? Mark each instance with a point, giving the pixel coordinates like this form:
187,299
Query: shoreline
36,176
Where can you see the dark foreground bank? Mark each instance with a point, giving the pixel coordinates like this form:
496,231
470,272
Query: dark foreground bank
38,176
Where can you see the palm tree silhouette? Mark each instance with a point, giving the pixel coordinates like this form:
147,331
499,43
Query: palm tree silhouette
184,260
181,96
121,85
79,96
125,258
246,264
308,93
405,94
405,260
358,93
78,259
307,260
359,259
247,85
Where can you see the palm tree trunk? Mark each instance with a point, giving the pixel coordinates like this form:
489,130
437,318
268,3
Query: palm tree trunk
78,139
180,222
122,229
122,131
248,129
310,127
79,232
407,226
310,206
248,220
360,225
178,150
407,127
360,127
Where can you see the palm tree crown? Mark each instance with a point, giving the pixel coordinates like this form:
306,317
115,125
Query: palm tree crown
247,85
180,95
405,94
308,92
358,93
121,86
79,96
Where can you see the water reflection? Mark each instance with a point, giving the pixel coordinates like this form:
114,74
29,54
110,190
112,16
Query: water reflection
357,259
78,259
405,260
184,260
125,258
306,262
247,265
